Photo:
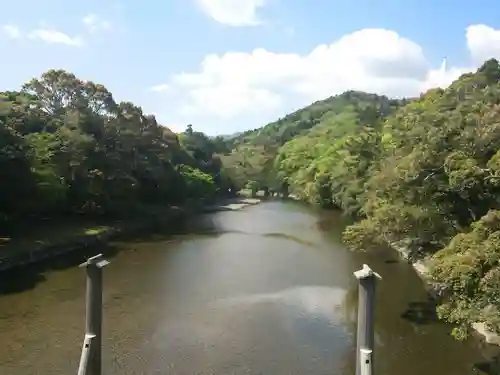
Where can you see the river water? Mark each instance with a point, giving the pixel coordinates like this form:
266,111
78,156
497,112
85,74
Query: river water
265,290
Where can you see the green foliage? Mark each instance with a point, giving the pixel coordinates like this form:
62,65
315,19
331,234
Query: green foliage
254,152
423,173
198,184
436,185
66,146
329,163
468,273
253,187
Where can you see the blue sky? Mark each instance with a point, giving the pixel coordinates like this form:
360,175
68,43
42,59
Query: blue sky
229,65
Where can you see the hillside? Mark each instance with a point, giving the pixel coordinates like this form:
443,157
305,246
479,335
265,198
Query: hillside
254,151
424,172
436,182
427,175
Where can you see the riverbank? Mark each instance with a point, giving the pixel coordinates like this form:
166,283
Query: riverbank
56,237
231,205
422,269
64,238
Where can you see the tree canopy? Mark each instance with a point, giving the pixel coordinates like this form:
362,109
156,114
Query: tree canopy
66,146
424,172
253,152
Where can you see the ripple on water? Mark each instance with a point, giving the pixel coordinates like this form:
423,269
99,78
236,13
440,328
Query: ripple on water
290,237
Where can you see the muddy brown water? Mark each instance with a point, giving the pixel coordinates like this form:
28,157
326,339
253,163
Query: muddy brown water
265,290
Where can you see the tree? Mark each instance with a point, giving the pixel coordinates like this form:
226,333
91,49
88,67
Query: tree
253,186
422,173
67,147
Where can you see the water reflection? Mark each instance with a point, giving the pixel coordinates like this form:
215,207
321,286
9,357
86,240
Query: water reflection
18,280
302,321
265,290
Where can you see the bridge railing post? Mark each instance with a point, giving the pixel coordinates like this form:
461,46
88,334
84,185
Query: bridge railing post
366,309
91,361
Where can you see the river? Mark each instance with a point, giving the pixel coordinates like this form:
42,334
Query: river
265,290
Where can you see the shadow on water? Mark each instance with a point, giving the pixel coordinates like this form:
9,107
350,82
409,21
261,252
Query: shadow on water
490,367
23,278
421,312
391,261
202,225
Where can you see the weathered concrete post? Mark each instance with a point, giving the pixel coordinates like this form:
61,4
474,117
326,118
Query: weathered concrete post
90,361
366,309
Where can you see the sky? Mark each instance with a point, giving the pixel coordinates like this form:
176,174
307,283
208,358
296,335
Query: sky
225,66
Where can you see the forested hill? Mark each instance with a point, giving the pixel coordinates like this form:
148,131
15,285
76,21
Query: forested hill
66,146
254,152
434,180
425,173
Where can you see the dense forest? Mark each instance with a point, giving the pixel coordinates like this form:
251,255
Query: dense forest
253,152
67,147
423,172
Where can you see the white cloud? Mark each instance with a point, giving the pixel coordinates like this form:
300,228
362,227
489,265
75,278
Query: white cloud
237,83
236,86
483,42
228,100
160,87
443,76
12,31
233,12
45,34
94,23
55,37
